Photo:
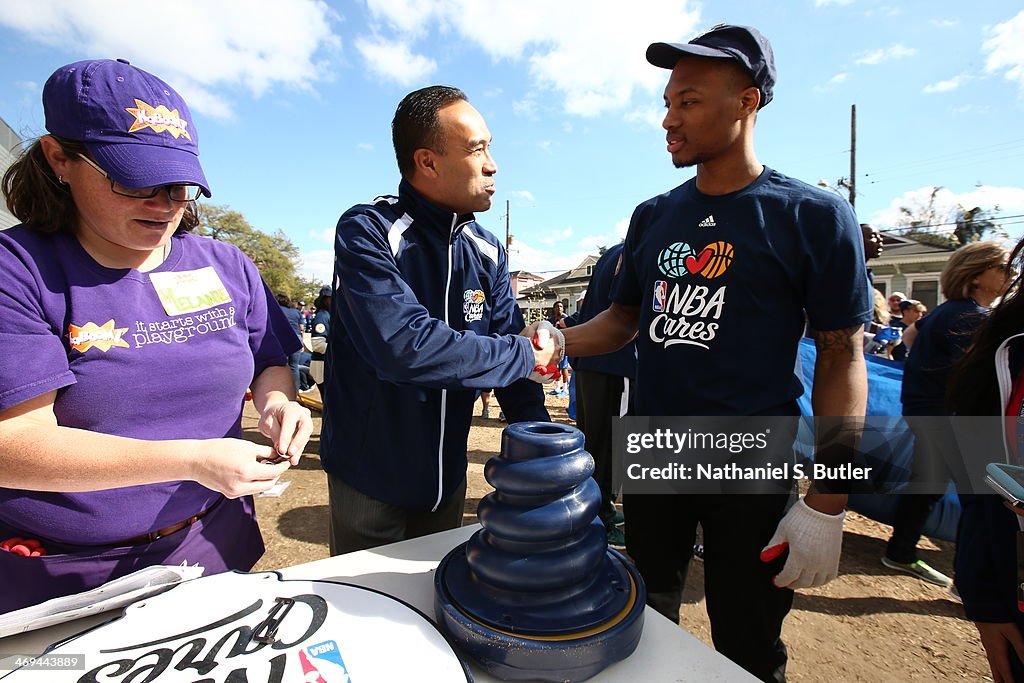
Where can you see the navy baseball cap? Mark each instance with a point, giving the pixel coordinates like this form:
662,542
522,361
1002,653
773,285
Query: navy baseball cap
743,44
135,126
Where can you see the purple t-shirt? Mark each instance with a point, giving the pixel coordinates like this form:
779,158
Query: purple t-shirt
166,354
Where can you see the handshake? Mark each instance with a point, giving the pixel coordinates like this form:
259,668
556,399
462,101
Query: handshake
548,350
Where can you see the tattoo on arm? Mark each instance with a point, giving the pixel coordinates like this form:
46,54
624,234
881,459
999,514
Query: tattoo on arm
846,340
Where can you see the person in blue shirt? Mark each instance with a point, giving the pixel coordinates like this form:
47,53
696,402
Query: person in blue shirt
294,317
320,332
716,277
972,279
989,380
604,387
423,317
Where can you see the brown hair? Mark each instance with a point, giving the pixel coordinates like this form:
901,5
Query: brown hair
43,203
967,263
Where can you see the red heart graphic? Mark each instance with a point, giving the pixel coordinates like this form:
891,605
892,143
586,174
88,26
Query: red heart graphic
695,265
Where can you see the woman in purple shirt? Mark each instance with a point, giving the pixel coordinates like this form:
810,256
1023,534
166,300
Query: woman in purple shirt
128,346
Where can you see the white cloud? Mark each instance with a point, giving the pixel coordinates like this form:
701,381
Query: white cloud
526,108
318,263
596,67
365,146
897,51
1005,48
945,23
649,117
493,92
1010,200
326,235
543,262
525,195
947,85
548,263
833,83
393,60
205,47
594,242
553,237
827,3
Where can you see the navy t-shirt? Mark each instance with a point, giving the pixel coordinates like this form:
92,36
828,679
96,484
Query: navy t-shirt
942,339
723,283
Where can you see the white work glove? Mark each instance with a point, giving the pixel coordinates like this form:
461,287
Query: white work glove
815,541
548,337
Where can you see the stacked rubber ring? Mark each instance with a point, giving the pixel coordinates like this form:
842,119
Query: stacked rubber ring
537,594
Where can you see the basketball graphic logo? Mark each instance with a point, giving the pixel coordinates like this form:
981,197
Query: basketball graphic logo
672,259
721,258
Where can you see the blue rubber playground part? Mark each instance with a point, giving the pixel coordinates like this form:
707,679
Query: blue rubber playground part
537,594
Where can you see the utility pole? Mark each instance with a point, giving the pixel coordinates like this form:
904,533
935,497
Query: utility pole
508,237
853,154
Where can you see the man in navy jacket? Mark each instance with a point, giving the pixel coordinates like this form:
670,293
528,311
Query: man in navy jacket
422,318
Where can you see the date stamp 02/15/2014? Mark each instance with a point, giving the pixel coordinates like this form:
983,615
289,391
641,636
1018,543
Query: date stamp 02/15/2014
44,662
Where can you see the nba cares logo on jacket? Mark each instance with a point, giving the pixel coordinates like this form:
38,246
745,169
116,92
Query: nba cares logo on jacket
473,304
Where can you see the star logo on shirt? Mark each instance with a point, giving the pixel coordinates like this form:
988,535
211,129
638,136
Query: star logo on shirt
104,338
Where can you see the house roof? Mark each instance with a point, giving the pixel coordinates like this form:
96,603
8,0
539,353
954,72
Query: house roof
525,275
900,249
576,277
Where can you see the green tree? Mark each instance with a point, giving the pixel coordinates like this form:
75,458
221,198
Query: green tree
928,223
275,255
973,225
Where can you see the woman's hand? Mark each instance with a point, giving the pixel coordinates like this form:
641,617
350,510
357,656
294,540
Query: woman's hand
234,467
288,425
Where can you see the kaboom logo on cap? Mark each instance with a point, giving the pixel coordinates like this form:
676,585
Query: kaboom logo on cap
160,119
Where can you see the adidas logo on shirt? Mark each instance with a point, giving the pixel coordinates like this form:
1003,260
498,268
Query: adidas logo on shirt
708,222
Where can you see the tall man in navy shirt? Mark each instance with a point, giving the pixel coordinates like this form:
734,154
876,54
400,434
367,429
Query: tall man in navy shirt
423,316
716,277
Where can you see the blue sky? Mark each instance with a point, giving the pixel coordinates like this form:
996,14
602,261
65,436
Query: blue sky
293,100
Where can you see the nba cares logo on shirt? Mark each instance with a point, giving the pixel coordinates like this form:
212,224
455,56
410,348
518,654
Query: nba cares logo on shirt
679,259
160,119
89,335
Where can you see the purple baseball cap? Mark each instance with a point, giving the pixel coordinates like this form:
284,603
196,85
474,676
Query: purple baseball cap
743,44
135,126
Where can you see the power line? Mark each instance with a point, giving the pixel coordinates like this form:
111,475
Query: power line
942,158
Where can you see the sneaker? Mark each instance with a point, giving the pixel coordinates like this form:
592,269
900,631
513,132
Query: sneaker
698,552
485,414
954,594
921,570
620,518
501,417
617,539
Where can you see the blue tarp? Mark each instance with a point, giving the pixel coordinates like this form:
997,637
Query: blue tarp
889,457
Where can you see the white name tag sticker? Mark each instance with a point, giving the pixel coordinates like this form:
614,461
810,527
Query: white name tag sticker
190,290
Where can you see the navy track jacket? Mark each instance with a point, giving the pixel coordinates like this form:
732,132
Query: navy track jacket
423,318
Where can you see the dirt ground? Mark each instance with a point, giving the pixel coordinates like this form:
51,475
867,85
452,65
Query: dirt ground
870,624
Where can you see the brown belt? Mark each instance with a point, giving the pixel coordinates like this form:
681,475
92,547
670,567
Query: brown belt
160,533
